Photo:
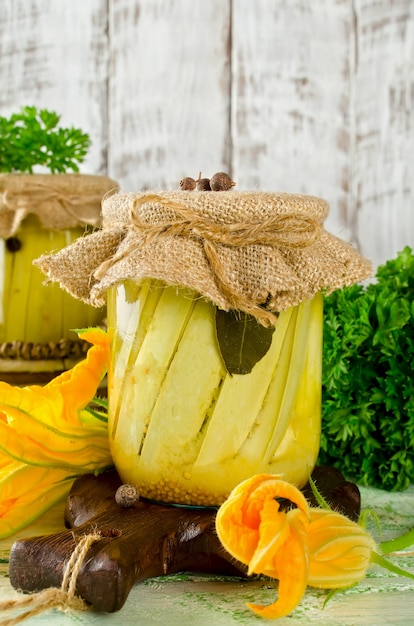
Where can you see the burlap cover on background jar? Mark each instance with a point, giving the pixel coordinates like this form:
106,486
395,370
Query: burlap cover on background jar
185,427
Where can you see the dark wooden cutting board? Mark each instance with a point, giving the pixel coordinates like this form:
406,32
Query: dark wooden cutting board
137,543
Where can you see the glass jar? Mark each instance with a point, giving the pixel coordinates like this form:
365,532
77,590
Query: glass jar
40,214
184,430
34,316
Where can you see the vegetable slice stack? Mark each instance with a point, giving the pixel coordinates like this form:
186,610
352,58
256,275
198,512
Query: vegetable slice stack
182,427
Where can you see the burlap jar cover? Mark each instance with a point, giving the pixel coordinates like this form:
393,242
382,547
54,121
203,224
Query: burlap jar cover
61,202
257,252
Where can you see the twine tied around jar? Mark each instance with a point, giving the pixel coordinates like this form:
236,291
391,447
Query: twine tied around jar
256,252
293,230
177,219
60,201
63,598
40,192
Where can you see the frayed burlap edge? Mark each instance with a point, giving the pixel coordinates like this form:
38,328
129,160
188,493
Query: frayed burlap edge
257,252
60,201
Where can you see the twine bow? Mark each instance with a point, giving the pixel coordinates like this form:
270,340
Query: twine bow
292,230
167,218
62,599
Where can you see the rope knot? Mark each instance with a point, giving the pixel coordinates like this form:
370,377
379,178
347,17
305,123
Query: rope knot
165,217
62,599
154,217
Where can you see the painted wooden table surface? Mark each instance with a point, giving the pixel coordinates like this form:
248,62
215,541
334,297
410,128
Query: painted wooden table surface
198,600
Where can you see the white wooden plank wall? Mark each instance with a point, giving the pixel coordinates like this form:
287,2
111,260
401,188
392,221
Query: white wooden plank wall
292,64
169,86
309,96
383,179
54,54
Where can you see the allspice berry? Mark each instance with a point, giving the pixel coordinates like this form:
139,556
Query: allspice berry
13,244
187,184
127,496
203,184
221,182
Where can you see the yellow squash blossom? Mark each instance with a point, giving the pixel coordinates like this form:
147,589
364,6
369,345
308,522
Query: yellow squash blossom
300,547
252,528
26,492
48,435
340,550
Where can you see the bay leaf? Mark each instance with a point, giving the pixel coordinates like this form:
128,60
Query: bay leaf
242,340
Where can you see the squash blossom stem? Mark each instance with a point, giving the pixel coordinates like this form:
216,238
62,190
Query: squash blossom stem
399,543
379,560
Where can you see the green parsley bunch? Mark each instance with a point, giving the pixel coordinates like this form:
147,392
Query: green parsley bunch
32,137
368,378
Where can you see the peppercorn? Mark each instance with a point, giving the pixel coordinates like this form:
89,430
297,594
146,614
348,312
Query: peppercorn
127,496
13,244
221,182
187,183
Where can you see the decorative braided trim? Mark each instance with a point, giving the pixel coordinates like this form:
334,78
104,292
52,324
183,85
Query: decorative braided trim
29,351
